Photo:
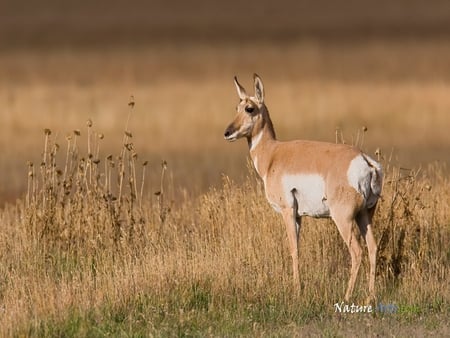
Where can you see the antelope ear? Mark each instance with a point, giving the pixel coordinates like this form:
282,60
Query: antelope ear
240,90
259,88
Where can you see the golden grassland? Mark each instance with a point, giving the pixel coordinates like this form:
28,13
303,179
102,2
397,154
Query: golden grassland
85,253
101,245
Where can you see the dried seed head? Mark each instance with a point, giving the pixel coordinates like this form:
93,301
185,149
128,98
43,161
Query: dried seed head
164,164
89,123
47,131
131,103
109,158
378,152
364,128
428,187
96,161
101,136
127,133
77,132
68,137
145,163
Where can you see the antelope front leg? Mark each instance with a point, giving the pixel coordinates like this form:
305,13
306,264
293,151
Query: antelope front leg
291,229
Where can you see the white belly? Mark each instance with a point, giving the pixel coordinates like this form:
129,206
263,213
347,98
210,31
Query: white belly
310,194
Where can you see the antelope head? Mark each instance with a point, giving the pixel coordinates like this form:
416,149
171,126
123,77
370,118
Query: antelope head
250,112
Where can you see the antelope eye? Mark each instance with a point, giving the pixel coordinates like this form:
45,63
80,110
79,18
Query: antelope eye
249,109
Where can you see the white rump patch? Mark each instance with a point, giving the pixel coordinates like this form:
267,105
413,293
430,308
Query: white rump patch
365,178
310,194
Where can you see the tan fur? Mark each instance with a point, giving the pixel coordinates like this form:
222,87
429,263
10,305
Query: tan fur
275,160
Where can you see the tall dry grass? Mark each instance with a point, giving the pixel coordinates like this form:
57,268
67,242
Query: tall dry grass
86,253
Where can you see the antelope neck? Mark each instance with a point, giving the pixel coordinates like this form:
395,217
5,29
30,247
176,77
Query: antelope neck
260,148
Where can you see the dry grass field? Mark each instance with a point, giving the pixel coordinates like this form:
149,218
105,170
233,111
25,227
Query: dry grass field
140,220
86,253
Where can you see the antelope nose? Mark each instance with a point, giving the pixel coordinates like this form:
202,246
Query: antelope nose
229,133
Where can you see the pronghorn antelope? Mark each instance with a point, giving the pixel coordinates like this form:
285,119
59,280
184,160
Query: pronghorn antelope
308,178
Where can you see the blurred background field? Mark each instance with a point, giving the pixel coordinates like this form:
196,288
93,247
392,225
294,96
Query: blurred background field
325,66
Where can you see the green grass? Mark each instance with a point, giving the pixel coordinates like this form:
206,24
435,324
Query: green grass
194,314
